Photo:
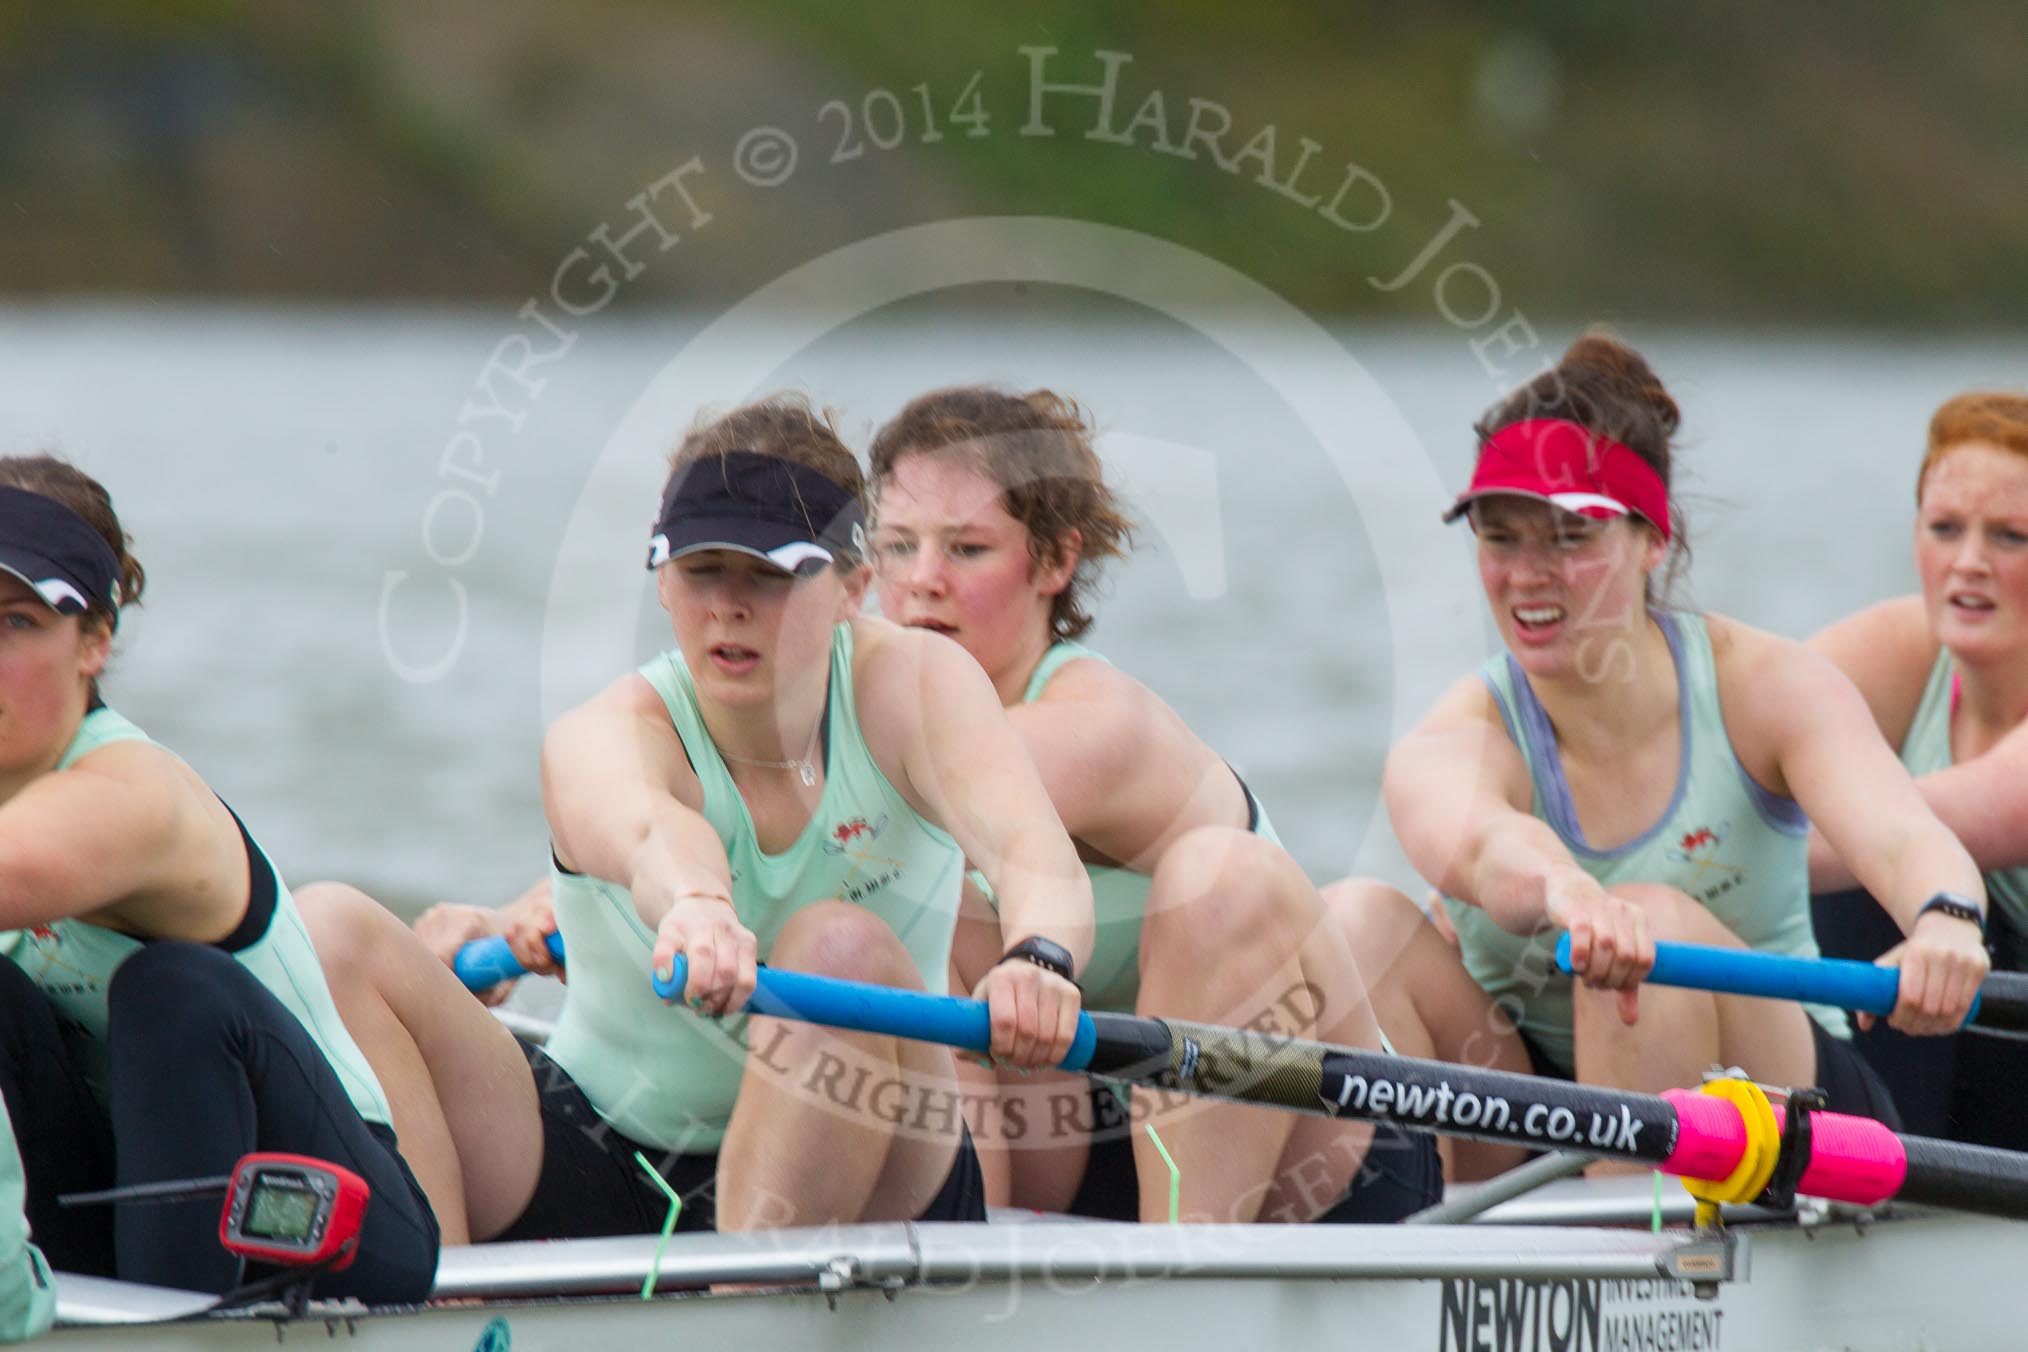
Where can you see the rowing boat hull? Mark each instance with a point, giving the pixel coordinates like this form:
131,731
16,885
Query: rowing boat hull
1911,1281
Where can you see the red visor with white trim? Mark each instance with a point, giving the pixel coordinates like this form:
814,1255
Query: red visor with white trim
1570,466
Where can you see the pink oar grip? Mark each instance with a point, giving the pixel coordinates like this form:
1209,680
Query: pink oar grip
1852,1159
1710,1136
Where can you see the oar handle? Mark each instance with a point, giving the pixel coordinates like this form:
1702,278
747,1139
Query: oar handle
865,1008
2001,1002
485,963
856,1006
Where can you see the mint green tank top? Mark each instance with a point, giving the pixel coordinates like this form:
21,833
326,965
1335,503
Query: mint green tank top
664,1076
72,962
1723,839
27,1292
1927,749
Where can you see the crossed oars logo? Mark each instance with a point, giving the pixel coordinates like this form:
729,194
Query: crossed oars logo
854,838
1697,848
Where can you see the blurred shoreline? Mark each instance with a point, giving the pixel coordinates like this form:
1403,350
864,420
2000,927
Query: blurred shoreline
1825,163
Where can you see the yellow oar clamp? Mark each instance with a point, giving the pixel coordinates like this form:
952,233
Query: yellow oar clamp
1756,1164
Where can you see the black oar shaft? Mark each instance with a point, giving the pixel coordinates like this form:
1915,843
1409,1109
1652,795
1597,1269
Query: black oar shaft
1309,1077
2003,1001
1489,1105
1964,1177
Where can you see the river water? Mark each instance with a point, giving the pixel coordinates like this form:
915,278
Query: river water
357,626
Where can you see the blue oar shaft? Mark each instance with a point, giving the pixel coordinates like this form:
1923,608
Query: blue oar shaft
1841,982
861,1007
485,963
851,1005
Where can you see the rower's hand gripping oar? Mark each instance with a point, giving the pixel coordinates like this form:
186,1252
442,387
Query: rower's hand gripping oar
485,963
2002,1001
964,1024
1731,1137
866,1008
856,1006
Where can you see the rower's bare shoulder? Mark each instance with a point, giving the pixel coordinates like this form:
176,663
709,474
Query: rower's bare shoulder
1459,760
1125,771
622,732
1771,689
1753,664
1886,650
135,828
873,637
158,798
626,701
1748,659
1112,714
904,680
140,765
1466,705
1895,630
1100,687
1462,728
893,665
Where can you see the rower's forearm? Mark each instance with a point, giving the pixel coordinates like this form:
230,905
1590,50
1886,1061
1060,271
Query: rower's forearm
1828,873
1929,862
678,855
1044,891
653,851
1509,872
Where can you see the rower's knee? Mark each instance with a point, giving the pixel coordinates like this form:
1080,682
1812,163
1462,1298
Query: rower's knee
1369,899
176,990
1674,916
1372,915
831,938
1218,886
345,928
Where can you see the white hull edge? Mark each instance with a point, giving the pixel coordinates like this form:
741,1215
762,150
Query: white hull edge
1916,1281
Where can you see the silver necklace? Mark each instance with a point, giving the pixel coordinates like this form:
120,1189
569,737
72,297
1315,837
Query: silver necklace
804,765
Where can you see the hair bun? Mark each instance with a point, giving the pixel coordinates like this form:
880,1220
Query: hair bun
1626,373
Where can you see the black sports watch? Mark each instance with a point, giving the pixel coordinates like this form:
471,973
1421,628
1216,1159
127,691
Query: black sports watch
1955,906
1049,956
